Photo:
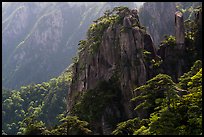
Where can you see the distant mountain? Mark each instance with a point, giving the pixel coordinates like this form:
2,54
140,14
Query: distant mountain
39,39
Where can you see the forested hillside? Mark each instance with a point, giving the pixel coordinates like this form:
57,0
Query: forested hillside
44,102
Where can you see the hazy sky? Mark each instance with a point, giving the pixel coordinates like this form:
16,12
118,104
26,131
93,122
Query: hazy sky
78,3
139,3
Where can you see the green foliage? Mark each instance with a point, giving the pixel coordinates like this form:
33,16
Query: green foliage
163,122
143,130
106,92
154,63
193,36
169,41
178,7
190,10
71,125
196,80
158,90
185,79
68,125
190,26
46,99
127,127
184,118
30,126
191,54
146,52
75,59
97,29
120,8
170,114
82,44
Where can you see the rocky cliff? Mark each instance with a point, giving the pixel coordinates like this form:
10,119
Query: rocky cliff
118,51
119,55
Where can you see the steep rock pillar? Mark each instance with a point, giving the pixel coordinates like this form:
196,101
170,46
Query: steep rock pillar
179,28
180,39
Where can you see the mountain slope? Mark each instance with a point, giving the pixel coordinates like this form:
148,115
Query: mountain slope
40,39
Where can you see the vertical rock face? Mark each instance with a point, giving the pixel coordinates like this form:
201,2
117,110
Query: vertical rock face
180,39
121,51
198,18
179,29
198,37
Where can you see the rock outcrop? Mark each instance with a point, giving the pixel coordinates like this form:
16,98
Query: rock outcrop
176,60
158,18
120,52
179,30
173,55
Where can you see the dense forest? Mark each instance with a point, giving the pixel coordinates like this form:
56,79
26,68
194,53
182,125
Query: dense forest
119,83
42,101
